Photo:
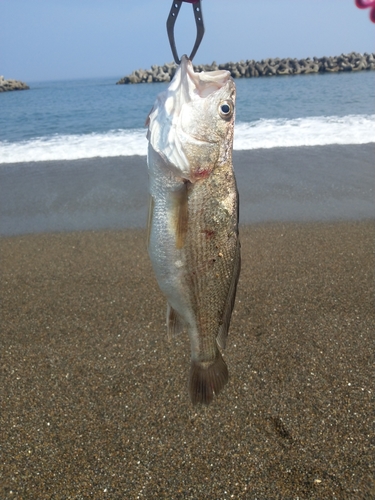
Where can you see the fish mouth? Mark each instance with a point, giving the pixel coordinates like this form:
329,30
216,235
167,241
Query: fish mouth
205,83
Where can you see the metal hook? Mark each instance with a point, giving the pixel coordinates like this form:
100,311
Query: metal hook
176,5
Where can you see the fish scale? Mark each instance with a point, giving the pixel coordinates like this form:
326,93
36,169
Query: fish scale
217,252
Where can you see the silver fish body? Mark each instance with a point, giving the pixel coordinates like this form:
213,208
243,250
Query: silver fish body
193,219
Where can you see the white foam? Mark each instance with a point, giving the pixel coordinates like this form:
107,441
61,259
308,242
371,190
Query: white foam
313,131
73,147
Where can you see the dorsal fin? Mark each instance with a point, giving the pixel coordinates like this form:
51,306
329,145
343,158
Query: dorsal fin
222,335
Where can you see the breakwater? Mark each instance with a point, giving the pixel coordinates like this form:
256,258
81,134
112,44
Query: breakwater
266,67
7,85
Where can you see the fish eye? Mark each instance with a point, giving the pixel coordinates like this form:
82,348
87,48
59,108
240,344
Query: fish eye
226,109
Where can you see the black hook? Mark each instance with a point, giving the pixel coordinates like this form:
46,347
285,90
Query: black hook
176,5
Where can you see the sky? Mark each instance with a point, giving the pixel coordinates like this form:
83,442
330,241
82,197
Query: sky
63,39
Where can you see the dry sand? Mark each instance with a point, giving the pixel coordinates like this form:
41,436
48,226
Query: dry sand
94,399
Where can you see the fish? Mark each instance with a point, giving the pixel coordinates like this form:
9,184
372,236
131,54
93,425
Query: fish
193,238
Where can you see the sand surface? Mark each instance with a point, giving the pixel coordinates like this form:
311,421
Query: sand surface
318,183
94,399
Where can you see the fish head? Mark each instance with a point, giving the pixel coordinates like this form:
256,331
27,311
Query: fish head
191,124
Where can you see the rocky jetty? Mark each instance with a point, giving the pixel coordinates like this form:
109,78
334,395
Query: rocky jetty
266,67
6,85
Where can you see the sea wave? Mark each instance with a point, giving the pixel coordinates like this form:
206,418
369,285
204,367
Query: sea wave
271,133
312,131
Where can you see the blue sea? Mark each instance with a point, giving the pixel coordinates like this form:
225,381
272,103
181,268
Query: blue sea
74,119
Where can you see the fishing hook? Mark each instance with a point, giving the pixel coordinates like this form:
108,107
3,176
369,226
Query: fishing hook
176,5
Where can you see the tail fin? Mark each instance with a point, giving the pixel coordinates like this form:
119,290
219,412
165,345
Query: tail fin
205,381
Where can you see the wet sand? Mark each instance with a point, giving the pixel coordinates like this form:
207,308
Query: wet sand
94,399
320,183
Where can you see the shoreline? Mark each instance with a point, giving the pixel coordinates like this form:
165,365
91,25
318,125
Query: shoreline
94,396
308,183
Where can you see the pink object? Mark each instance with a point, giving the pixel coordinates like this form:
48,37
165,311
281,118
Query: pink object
367,4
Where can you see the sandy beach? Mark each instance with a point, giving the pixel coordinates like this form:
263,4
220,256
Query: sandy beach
94,400
320,183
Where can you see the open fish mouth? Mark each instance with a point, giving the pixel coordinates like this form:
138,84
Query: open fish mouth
205,83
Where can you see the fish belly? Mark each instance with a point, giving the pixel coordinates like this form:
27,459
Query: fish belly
167,257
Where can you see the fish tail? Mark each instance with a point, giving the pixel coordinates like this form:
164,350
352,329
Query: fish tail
205,381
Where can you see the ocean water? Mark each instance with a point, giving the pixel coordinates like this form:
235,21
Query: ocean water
75,119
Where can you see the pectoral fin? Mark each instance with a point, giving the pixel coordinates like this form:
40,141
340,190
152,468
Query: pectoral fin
180,213
151,204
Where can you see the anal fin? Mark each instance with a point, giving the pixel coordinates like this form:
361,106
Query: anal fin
175,324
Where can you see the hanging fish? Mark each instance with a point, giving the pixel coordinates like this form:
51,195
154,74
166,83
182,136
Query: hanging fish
193,239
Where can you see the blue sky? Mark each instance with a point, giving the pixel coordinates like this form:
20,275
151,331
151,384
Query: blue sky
59,39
